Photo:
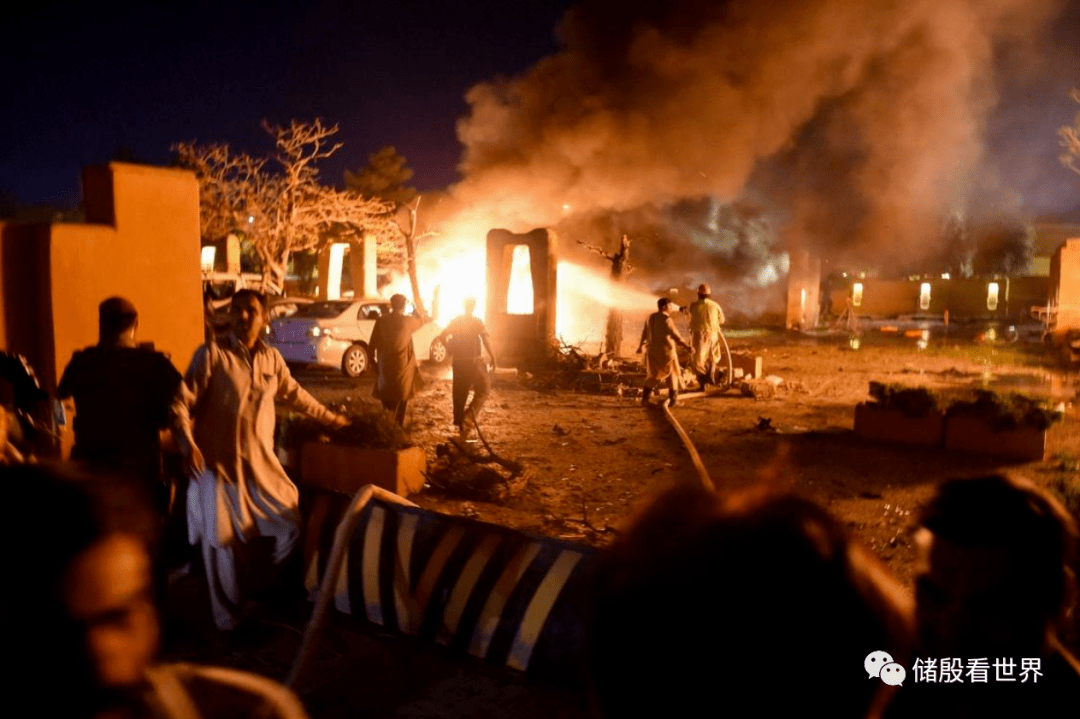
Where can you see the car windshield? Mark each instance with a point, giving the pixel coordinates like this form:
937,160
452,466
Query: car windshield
322,310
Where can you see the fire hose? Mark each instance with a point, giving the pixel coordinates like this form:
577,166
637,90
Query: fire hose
695,458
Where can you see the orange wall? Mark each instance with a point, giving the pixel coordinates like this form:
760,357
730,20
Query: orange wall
145,246
1065,281
963,298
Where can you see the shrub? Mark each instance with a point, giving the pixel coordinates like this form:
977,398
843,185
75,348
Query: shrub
1007,411
370,427
912,401
1004,411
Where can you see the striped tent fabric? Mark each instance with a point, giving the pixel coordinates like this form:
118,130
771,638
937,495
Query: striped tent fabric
501,595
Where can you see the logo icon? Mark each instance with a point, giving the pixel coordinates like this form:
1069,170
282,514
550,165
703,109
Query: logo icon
893,674
874,662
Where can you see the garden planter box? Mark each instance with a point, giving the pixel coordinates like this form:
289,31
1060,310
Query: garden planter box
340,468
884,424
971,433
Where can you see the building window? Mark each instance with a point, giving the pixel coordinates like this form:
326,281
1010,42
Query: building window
992,296
856,294
519,294
207,257
924,296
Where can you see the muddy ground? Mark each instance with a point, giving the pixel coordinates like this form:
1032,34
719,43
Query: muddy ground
592,460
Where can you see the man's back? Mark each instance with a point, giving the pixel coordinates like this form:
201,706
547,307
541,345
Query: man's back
705,316
393,333
122,396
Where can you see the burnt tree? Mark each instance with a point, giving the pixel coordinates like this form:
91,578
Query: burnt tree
620,268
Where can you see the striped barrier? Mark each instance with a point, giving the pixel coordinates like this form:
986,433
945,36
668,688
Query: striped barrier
507,597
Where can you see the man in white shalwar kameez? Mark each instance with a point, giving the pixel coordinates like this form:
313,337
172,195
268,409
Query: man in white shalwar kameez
239,490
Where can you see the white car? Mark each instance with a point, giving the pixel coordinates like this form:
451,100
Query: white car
337,333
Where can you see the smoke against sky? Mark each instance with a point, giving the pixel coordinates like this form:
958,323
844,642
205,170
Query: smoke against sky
860,126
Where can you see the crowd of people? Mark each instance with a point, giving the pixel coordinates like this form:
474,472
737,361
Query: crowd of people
758,603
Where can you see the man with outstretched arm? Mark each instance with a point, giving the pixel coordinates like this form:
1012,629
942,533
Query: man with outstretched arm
239,490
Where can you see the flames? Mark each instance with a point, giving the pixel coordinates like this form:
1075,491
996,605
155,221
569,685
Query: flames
454,270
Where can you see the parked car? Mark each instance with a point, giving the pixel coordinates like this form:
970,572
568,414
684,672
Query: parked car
337,333
276,308
281,307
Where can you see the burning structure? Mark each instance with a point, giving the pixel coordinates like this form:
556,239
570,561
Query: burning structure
520,332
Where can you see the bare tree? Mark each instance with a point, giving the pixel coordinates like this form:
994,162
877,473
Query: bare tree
226,184
1070,140
385,178
282,211
620,268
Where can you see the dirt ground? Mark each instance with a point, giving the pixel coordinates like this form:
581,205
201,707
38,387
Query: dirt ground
593,460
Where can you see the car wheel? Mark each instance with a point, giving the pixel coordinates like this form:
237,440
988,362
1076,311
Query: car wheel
355,361
438,353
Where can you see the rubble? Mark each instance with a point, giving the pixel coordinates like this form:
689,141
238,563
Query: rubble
461,472
758,389
565,366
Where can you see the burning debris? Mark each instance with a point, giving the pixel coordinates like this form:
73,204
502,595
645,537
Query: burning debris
564,366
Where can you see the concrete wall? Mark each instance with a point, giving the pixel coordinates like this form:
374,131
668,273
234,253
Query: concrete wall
518,337
142,242
362,265
963,298
1065,283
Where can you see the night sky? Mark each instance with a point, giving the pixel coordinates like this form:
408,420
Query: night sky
83,80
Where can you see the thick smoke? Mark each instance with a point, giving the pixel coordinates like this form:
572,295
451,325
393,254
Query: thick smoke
861,122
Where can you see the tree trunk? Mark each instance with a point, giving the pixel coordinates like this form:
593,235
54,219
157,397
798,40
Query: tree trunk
410,259
620,264
613,335
410,262
273,276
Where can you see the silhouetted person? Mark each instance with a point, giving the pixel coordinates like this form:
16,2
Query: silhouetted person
661,362
122,393
391,345
463,338
82,629
994,581
753,606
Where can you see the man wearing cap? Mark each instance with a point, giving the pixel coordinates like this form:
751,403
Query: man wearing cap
706,317
661,361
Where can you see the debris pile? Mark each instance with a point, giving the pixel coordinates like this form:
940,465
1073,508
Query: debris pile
461,471
564,366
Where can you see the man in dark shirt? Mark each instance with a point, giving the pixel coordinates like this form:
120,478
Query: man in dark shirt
463,337
122,394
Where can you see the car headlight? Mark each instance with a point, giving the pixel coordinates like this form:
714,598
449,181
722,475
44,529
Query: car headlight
317,331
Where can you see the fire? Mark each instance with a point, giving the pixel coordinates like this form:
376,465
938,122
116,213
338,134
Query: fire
456,269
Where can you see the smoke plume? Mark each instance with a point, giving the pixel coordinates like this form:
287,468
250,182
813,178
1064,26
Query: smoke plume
858,126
